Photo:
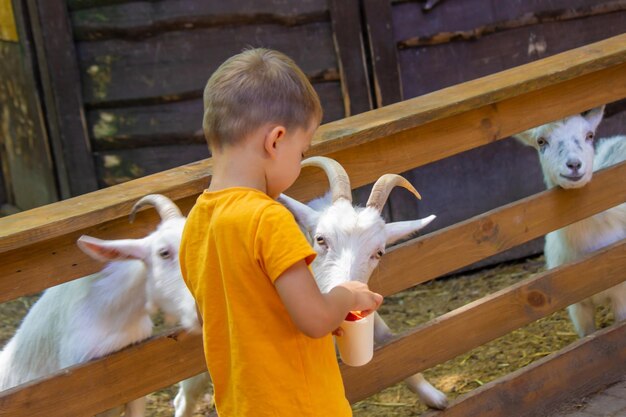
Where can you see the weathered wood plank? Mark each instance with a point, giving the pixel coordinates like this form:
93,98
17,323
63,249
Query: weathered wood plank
139,20
383,53
174,123
472,19
118,71
49,263
26,154
454,333
64,104
431,68
490,233
399,152
486,319
348,39
86,4
160,362
536,390
124,165
58,260
463,114
473,128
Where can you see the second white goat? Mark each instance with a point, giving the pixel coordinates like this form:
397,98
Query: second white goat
569,154
93,316
350,241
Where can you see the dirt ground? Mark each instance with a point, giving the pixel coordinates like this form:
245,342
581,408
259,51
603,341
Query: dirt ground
406,310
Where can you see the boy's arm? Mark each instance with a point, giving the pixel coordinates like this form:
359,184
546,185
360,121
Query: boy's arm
317,314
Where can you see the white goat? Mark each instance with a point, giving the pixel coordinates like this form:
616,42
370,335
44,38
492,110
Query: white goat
350,241
569,154
93,316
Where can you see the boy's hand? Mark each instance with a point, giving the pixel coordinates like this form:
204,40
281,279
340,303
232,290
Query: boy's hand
316,314
365,300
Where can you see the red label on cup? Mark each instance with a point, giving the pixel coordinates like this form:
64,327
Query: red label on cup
354,316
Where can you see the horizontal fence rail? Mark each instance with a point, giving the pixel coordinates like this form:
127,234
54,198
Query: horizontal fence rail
537,389
37,248
453,334
391,139
424,258
486,319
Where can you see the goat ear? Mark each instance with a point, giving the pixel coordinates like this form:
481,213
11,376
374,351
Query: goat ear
305,215
399,230
112,250
594,116
527,137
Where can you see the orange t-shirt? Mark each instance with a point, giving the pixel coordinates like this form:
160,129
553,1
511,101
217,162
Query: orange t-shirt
236,243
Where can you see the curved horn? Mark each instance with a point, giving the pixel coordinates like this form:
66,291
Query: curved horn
382,188
164,206
337,176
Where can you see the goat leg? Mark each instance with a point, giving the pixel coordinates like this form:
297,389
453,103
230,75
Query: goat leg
428,394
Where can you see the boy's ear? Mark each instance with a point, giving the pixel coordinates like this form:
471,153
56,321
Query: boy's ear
273,137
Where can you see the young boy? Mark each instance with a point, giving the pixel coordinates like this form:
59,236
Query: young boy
267,328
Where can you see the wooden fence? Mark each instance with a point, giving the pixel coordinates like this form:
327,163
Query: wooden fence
38,248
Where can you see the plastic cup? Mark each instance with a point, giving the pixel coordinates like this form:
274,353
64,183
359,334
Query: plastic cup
356,345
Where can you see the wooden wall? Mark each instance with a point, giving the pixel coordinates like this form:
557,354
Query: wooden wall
143,66
124,100
457,41
27,176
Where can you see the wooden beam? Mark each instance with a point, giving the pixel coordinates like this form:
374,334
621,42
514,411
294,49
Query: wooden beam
462,244
453,333
383,52
486,319
345,16
99,385
58,260
526,19
63,97
579,79
572,373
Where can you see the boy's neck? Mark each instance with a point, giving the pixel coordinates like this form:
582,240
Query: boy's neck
238,167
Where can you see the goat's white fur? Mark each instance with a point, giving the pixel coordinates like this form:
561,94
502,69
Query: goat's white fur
353,238
93,316
352,241
569,154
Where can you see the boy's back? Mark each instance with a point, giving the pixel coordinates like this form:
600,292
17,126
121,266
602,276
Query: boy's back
237,242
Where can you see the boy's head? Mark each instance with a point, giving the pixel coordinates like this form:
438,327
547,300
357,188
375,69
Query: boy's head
252,89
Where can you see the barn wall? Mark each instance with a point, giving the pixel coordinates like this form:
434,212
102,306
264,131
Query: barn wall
143,67
459,41
133,74
27,178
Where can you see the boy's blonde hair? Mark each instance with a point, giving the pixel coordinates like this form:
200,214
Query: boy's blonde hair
253,88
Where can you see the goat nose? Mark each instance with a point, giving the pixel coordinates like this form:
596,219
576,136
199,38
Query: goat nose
574,164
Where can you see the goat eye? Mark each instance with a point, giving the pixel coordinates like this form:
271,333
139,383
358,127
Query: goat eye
589,136
379,254
541,141
164,253
320,240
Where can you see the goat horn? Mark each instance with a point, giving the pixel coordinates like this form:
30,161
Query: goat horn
337,176
382,188
164,206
